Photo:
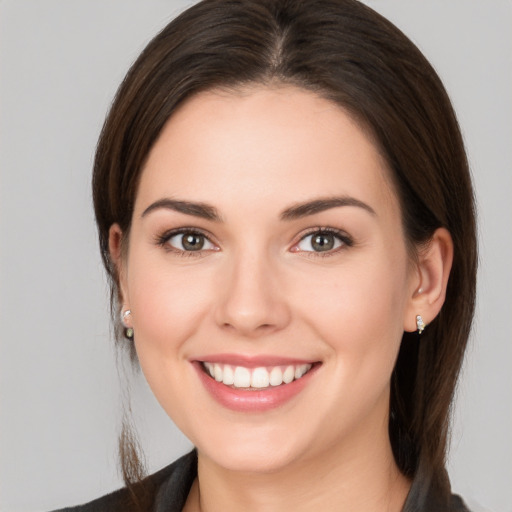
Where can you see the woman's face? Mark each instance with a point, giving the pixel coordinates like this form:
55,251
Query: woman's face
266,242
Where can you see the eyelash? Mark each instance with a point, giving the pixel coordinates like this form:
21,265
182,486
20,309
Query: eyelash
346,241
163,239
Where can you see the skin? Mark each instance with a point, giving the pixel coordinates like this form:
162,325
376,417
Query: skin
259,287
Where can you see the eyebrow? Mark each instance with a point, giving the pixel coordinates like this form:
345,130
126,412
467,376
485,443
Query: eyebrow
297,211
201,210
301,210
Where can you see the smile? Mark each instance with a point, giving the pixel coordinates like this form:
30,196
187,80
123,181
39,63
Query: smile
254,384
258,378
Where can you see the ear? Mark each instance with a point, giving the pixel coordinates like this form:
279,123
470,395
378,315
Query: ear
428,285
115,240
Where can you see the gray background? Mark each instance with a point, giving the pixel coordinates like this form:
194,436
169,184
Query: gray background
60,64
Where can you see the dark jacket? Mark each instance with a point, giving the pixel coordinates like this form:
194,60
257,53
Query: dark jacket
167,491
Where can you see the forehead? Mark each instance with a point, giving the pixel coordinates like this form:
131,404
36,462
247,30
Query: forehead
263,144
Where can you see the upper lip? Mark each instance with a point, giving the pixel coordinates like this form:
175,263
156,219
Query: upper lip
253,361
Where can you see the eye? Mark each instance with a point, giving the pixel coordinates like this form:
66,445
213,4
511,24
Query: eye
322,241
187,241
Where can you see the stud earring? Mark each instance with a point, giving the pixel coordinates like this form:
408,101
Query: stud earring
124,315
128,331
420,324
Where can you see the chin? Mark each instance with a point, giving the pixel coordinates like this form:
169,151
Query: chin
261,452
251,460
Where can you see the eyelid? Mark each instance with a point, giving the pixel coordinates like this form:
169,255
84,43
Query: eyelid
163,238
346,241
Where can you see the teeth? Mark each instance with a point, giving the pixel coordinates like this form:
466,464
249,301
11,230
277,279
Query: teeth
217,372
229,376
242,377
276,376
260,378
257,378
288,374
301,370
209,367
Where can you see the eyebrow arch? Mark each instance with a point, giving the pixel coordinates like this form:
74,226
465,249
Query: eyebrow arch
300,210
202,210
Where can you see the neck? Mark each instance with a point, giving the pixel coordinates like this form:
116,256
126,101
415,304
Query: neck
360,475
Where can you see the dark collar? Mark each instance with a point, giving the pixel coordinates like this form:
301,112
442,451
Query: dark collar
173,492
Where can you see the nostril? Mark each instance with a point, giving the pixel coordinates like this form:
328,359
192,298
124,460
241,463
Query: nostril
262,327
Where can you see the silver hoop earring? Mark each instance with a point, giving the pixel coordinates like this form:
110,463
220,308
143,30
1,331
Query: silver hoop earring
420,324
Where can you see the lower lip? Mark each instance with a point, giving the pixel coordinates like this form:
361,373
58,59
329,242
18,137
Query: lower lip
242,400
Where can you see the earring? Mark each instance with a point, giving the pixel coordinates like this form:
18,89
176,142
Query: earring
128,331
124,315
420,324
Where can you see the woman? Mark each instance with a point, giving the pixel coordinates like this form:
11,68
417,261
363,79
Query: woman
285,212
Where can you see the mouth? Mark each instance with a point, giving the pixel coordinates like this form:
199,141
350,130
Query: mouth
257,379
254,385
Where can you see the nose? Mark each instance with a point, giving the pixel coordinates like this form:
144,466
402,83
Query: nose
251,302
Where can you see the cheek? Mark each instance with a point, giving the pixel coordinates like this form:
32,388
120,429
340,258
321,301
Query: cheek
359,312
167,303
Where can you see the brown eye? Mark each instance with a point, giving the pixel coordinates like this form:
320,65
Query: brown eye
190,242
321,241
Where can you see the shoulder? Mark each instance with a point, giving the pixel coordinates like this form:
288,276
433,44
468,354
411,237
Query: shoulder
457,505
170,485
115,501
430,492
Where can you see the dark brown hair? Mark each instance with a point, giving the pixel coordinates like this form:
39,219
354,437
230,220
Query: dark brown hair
347,53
